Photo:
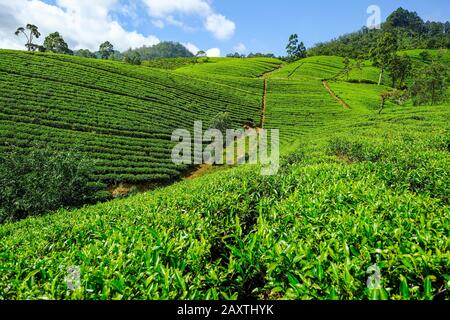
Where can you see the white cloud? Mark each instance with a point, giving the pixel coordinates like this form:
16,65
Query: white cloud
191,47
158,23
163,8
166,10
213,52
220,26
83,23
240,48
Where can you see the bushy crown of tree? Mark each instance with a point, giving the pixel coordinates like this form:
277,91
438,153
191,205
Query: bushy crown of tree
162,50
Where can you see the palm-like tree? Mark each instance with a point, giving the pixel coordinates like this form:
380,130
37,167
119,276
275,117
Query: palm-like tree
33,33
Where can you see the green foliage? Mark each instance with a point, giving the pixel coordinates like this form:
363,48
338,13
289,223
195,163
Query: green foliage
411,32
170,63
222,122
121,115
221,68
31,32
163,50
42,180
106,50
358,192
384,52
430,85
399,68
406,20
55,43
347,67
425,56
296,50
132,57
85,53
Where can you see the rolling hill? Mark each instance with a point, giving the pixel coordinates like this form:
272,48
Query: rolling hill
120,115
356,190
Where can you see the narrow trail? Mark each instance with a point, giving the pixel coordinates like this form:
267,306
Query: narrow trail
124,189
331,92
263,105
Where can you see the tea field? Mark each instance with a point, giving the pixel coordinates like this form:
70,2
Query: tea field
120,115
361,197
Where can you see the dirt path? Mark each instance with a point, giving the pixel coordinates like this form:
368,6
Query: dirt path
124,189
200,171
331,92
263,105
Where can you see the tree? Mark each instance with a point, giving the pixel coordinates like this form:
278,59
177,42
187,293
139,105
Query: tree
347,67
235,55
399,68
165,49
106,50
55,43
431,84
383,52
359,66
296,50
132,57
406,20
33,33
201,54
85,53
222,122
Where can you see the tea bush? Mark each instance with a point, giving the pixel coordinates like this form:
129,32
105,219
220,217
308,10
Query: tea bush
41,180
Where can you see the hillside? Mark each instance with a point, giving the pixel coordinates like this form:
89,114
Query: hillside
120,115
356,188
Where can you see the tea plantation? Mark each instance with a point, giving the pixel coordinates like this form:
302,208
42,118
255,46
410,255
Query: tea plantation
358,190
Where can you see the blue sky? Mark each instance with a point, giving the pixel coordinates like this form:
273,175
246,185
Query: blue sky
221,25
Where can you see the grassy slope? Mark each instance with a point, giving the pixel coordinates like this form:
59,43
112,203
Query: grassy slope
121,115
361,189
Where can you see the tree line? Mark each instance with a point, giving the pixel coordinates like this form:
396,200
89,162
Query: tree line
410,30
55,43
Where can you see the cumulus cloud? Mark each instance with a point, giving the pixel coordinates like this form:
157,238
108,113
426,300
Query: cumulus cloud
240,48
220,26
213,52
164,8
167,10
191,47
83,23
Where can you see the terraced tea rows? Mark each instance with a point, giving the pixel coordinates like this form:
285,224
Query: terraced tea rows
121,115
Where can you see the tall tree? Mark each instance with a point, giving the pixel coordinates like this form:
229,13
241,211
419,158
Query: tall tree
431,84
359,65
106,50
347,67
55,43
383,52
399,69
295,49
33,32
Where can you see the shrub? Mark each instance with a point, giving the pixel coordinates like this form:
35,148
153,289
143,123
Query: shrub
222,121
430,86
40,181
133,58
